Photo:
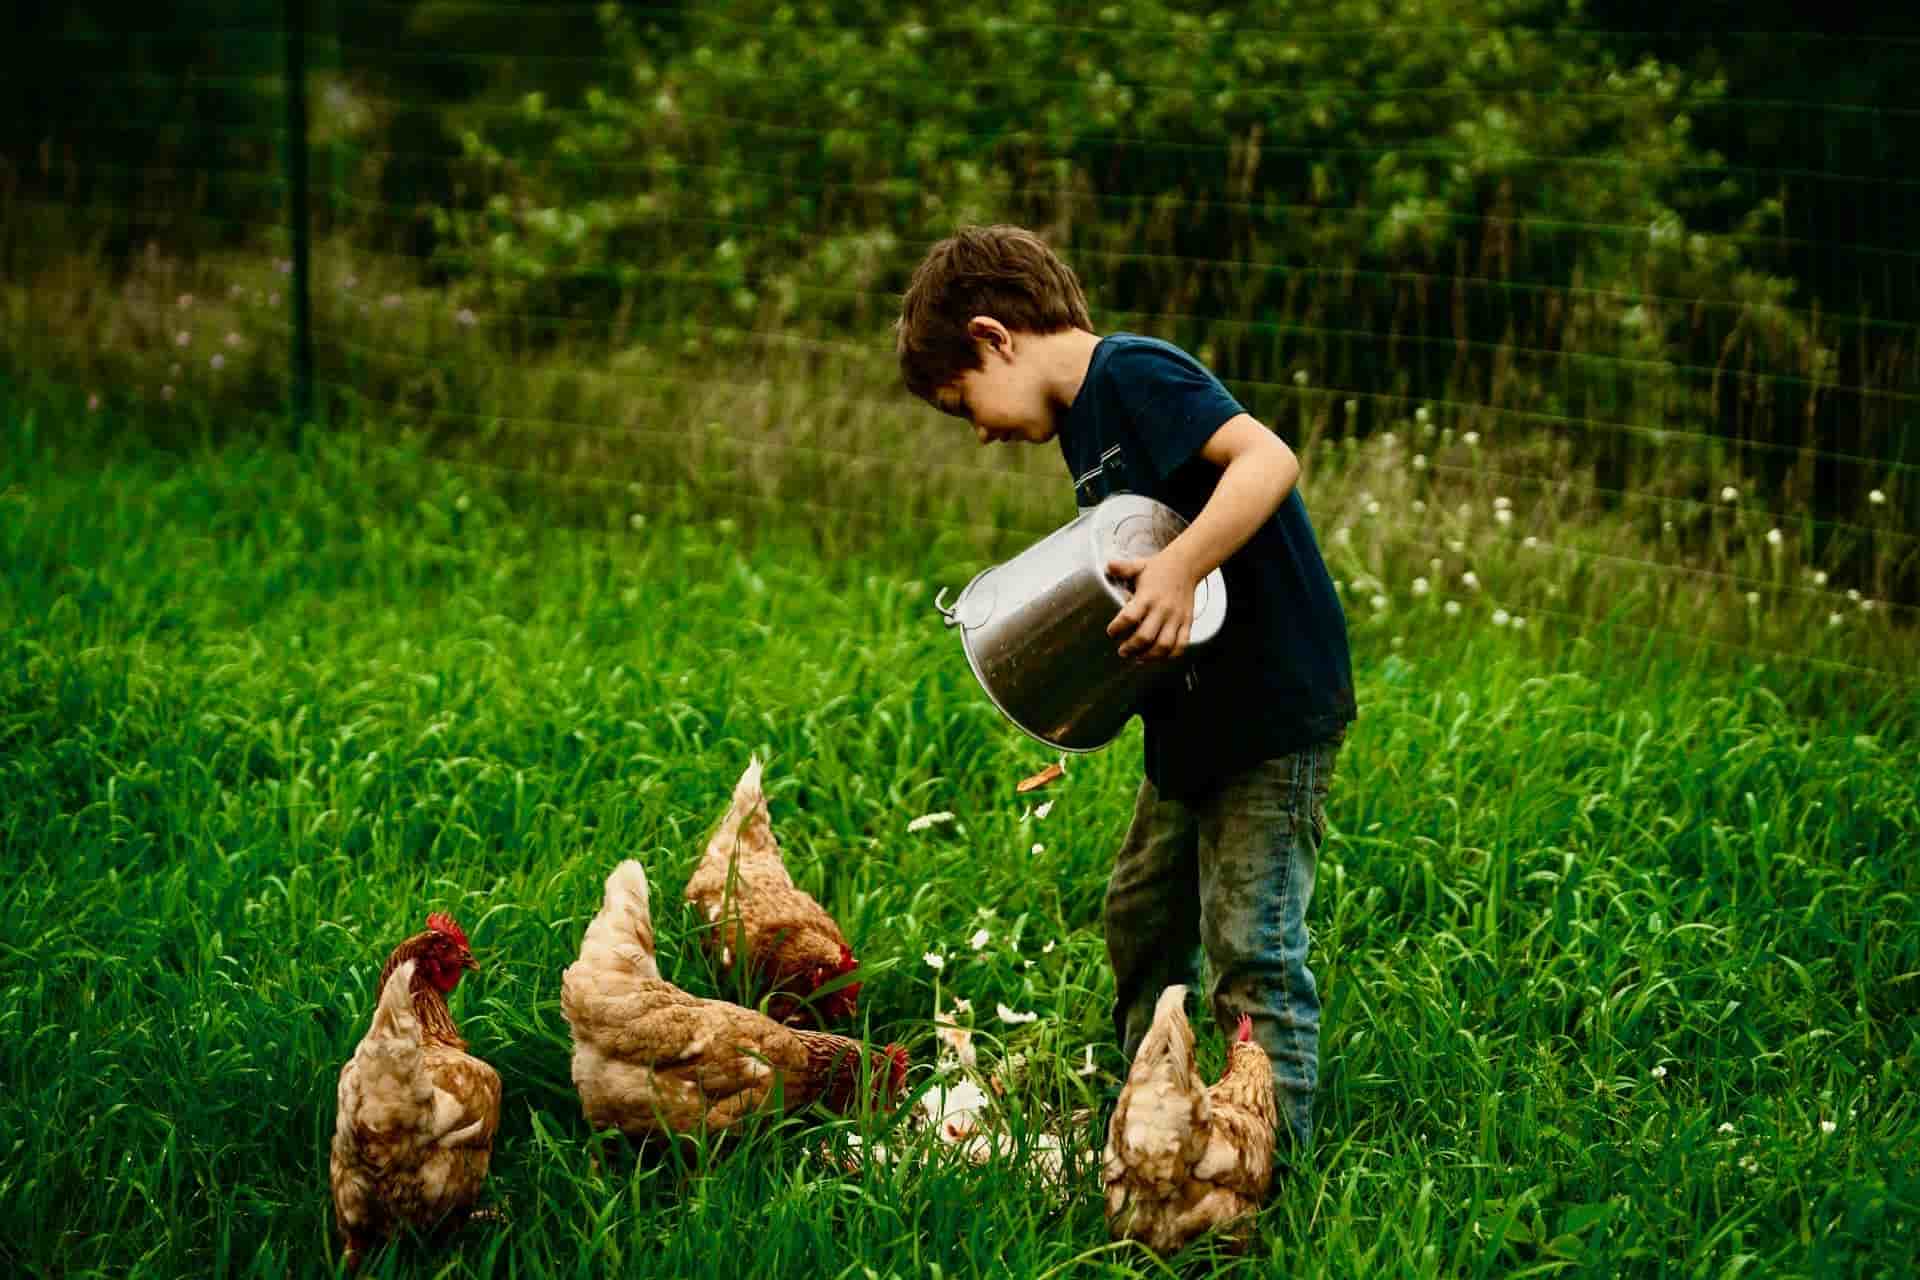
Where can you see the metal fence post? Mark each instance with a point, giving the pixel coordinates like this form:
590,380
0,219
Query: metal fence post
302,372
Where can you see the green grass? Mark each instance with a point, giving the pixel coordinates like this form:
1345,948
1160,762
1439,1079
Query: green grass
261,711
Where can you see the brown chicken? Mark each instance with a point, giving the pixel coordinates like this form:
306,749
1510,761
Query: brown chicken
743,892
1181,1158
413,1134
651,1060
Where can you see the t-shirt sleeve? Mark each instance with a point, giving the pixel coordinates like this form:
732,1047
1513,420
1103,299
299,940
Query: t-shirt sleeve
1173,403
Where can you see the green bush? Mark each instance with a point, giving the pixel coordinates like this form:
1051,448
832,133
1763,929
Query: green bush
1441,200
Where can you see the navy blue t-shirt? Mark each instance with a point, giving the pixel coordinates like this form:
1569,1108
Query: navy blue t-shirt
1278,678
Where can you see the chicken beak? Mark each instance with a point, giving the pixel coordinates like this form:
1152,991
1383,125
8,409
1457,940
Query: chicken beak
468,962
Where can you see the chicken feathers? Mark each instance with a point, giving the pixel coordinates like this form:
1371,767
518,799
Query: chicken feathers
416,1114
1181,1158
652,1060
750,904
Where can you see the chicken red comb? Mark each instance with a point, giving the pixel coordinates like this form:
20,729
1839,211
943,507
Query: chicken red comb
441,922
1246,1028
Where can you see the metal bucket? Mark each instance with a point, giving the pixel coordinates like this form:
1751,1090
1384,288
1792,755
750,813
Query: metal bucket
1035,628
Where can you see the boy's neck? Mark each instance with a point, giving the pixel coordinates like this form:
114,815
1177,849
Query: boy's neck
1063,359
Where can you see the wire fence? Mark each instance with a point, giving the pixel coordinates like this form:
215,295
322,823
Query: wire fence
1523,293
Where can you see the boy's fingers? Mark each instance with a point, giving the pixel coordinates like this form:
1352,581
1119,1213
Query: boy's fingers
1128,619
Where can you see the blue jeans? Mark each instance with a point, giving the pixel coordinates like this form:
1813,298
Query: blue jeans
1230,873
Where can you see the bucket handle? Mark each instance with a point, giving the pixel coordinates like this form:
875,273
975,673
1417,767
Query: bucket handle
952,615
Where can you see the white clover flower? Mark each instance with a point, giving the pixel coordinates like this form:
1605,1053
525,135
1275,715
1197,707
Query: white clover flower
182,338
1658,1073
1853,593
1819,577
1666,526
1419,507
1436,564
935,961
1775,537
1456,545
961,1005
233,339
920,823
1037,850
1299,377
1828,1126
1726,1126
1500,617
1466,511
1753,598
1503,516
1452,608
218,362
1419,462
1472,439
464,317
979,939
1388,439
638,521
1866,606
1530,541
1519,623
1379,603
1013,1018
1373,508
1421,586
1729,494
1833,619
351,282
1877,497
1353,411
1501,504
1422,416
1048,948
1470,580
1343,537
1749,1164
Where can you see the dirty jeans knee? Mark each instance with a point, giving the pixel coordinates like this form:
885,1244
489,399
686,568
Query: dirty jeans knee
1152,910
1260,838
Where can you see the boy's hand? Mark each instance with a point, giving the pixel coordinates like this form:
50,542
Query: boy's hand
1160,615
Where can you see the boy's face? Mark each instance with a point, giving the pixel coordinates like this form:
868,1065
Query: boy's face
1005,399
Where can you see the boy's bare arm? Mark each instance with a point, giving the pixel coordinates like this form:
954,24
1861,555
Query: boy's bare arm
1258,471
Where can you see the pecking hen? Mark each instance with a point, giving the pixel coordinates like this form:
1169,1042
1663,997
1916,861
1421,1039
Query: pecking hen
651,1060
1182,1158
413,1133
743,892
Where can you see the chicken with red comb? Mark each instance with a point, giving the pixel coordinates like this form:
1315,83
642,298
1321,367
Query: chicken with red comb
755,914
653,1061
1182,1158
415,1112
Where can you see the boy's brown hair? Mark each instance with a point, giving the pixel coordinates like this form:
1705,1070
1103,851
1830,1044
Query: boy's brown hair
1000,271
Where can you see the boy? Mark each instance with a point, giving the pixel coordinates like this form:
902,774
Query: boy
1239,747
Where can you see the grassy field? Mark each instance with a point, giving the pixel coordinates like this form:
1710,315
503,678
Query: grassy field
1619,943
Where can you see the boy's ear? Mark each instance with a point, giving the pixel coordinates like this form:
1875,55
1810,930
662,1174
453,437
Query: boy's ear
991,335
